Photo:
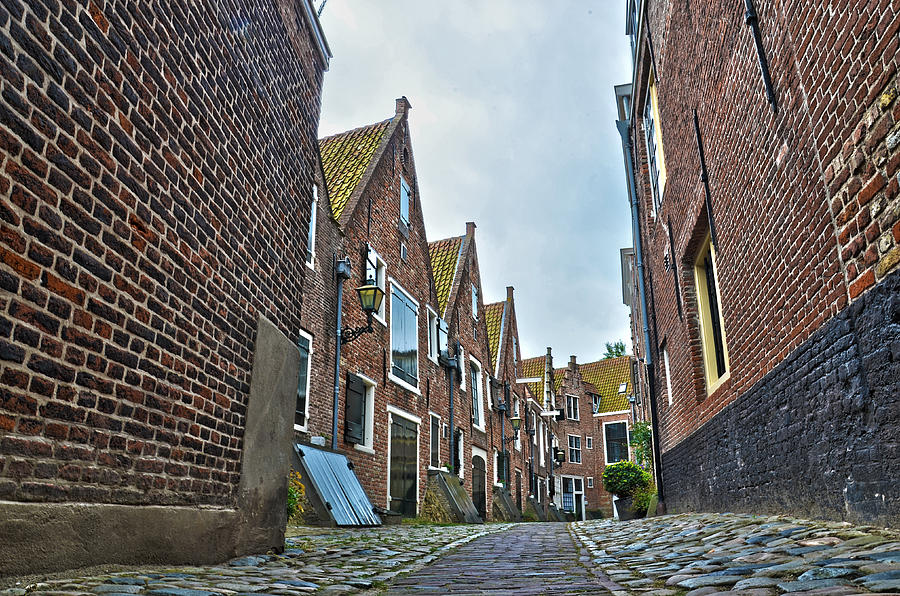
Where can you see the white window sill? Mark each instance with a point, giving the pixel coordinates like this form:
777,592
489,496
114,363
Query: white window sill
311,264
438,469
364,449
300,428
404,384
482,428
433,358
380,320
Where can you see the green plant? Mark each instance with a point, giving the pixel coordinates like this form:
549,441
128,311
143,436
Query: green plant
642,442
296,494
614,350
624,478
641,499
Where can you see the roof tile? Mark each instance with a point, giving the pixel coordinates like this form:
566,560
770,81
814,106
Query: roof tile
493,317
444,261
345,158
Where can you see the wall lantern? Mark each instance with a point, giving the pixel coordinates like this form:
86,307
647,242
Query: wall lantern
370,298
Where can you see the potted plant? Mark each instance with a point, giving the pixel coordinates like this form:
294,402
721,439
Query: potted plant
623,479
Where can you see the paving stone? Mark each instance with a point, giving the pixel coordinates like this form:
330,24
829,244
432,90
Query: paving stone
825,573
891,585
755,582
813,584
709,580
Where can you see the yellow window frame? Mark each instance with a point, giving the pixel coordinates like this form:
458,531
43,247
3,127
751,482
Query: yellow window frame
707,340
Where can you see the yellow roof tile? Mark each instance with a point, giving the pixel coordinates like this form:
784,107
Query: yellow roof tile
345,158
606,376
493,317
444,261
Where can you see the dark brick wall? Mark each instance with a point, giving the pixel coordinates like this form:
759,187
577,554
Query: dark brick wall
818,436
156,174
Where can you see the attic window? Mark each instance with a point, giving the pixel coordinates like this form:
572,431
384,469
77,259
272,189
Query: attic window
622,388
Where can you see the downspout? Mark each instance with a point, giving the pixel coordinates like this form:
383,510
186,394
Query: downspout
342,272
624,131
453,463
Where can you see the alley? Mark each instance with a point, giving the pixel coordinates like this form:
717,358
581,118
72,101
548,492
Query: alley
528,559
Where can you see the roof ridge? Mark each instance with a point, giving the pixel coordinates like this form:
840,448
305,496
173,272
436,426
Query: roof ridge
357,129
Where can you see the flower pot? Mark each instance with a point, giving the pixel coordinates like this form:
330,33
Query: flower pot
623,508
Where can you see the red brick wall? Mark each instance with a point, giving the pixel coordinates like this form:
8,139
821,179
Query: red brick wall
804,199
155,185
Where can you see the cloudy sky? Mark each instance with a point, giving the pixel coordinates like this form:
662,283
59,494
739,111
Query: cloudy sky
512,127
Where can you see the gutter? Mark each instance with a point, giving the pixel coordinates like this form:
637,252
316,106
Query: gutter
624,127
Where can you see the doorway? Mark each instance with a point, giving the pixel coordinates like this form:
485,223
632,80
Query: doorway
519,490
479,485
573,496
403,466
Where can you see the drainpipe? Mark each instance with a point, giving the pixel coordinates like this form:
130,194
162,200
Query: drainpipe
342,271
624,127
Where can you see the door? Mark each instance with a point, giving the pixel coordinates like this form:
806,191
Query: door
579,499
479,485
519,490
403,466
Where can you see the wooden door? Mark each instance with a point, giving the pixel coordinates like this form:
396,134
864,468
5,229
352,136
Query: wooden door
479,485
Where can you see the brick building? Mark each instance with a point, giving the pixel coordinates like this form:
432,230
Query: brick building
394,419
153,178
763,172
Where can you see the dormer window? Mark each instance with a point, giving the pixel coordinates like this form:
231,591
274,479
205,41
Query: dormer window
623,387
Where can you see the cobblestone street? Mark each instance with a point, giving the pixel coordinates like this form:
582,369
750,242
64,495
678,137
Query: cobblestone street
693,554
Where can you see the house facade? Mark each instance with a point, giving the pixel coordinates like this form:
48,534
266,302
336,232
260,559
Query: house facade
152,276
763,181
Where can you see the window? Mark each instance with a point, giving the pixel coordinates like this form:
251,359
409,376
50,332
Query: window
616,439
574,449
572,407
515,356
595,403
474,302
359,412
311,233
518,441
589,442
623,387
668,374
404,337
403,252
460,458
375,270
301,415
653,136
435,436
501,468
712,329
590,482
433,322
477,405
541,443
404,201
534,426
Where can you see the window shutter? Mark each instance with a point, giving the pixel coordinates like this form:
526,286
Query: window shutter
354,416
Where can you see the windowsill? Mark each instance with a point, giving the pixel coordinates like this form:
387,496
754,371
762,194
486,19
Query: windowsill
433,358
482,428
404,384
301,429
441,469
364,449
710,389
311,264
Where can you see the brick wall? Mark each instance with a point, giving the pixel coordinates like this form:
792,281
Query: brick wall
804,198
155,183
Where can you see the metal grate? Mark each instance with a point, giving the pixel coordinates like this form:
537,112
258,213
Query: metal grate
337,486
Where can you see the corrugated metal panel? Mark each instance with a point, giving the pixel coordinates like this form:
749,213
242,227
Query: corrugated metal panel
338,487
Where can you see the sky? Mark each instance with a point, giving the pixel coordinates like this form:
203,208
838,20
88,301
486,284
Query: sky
512,127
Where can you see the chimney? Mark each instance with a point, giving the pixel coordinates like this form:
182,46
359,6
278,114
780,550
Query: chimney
402,106
573,364
549,402
509,293
470,228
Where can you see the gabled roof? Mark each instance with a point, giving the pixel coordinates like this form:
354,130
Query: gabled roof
444,263
345,158
533,368
493,318
606,376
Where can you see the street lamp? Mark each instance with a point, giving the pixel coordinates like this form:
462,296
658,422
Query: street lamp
370,297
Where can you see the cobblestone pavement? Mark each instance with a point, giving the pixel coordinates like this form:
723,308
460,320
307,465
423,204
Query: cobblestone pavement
327,561
528,559
699,554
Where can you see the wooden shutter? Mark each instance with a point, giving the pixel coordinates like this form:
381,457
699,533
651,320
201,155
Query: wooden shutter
355,414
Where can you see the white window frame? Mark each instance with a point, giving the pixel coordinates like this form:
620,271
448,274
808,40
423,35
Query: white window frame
590,482
479,399
391,412
596,400
668,374
497,481
309,338
517,405
405,185
572,449
462,357
397,287
311,232
432,415
588,442
368,444
461,448
605,447
432,334
572,399
474,302
541,443
380,272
